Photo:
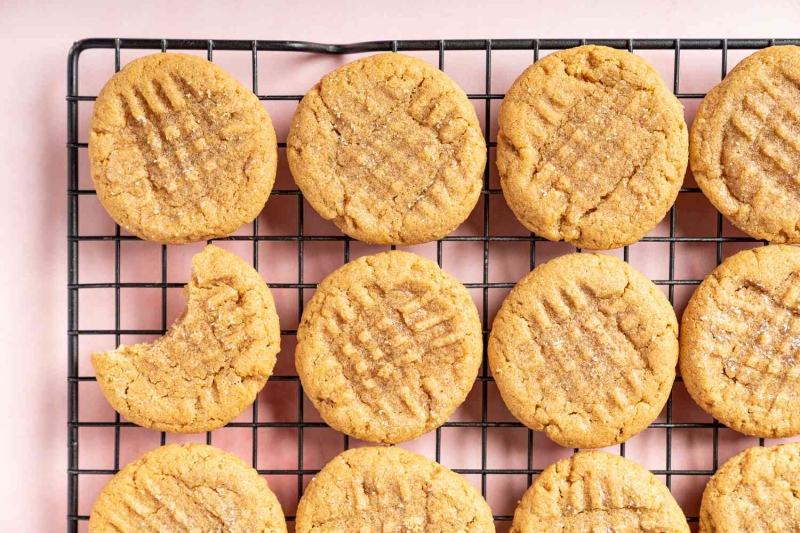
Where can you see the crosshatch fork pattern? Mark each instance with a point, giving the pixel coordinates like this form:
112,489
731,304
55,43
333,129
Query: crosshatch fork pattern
75,288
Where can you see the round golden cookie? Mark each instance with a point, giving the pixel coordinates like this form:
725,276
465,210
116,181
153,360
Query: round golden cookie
390,149
745,149
390,489
592,147
597,491
212,362
740,342
584,348
388,347
193,487
180,151
757,490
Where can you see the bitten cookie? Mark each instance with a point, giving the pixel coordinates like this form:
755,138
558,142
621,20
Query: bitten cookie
597,491
390,149
212,362
193,487
740,342
757,490
745,150
390,489
180,151
388,347
584,348
592,147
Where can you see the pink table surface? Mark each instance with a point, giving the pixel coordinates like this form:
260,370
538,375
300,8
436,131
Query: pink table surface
35,39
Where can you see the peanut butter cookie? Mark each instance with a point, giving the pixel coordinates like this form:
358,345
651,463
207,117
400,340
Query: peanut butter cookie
598,492
745,150
592,147
390,149
388,347
188,488
180,151
213,360
740,342
584,348
757,490
389,489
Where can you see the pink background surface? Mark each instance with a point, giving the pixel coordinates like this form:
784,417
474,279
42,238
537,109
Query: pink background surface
35,41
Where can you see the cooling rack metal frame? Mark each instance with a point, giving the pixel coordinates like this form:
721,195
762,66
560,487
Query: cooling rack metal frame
253,47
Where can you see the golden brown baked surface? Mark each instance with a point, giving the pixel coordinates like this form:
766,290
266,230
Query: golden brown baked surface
740,339
388,347
745,149
584,348
180,151
189,488
598,492
592,147
390,149
212,362
757,490
389,489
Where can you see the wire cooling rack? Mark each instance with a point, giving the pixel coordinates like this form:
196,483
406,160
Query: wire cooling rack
76,289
